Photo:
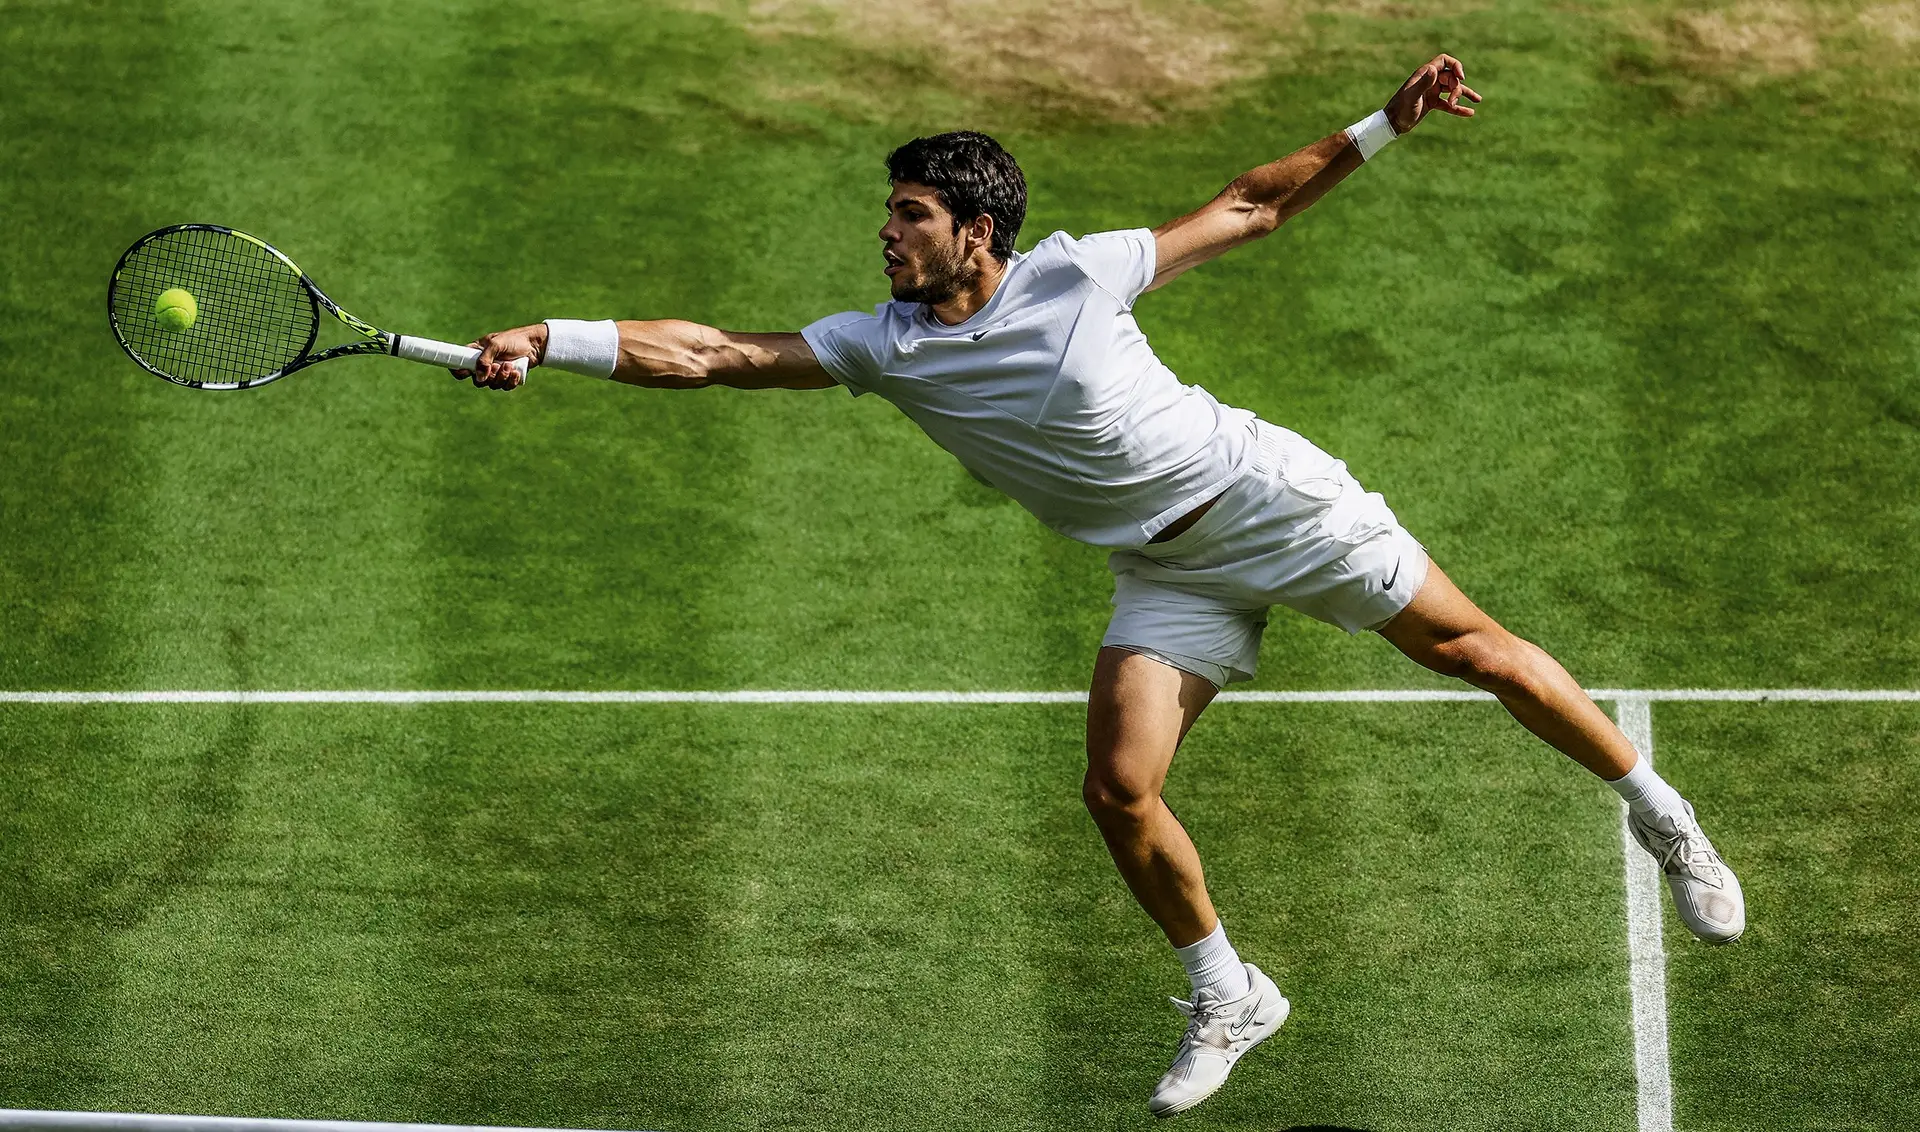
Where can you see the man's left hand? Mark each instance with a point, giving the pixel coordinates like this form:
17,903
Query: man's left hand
1436,86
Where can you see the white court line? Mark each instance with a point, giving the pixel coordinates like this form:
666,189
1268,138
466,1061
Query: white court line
1646,958
535,696
41,1119
1758,695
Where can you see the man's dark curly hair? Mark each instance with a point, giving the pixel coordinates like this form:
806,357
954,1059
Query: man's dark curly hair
974,177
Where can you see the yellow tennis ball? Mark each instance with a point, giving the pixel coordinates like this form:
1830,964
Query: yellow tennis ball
175,309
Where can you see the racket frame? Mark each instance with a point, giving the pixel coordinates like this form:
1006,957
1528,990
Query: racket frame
378,341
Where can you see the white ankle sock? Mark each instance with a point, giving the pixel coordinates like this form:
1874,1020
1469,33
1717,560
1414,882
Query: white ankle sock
1213,965
1648,795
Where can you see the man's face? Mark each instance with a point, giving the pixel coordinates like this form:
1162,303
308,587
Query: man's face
926,259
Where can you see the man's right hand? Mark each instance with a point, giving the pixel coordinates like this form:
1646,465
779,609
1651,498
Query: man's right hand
502,347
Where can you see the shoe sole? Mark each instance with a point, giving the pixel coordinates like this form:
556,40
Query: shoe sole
1286,1010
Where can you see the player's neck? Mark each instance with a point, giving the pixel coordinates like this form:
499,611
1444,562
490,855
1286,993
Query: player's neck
966,302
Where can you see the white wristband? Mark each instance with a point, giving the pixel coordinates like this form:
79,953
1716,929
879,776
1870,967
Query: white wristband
1371,134
588,348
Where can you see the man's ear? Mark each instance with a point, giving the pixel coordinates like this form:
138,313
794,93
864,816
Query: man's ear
979,230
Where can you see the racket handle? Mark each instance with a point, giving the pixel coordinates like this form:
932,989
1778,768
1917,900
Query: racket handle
443,354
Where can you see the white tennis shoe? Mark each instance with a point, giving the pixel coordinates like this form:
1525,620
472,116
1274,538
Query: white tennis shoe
1219,1034
1706,894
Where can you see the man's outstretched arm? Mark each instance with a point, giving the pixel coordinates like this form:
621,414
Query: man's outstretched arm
670,354
1262,199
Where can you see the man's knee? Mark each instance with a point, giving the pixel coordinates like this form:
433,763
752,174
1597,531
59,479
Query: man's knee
1111,797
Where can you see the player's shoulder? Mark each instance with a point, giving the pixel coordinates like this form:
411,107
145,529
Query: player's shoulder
1063,249
1055,246
1070,246
1119,261
855,347
1092,252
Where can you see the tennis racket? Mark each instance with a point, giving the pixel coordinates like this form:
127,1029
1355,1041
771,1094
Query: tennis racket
256,314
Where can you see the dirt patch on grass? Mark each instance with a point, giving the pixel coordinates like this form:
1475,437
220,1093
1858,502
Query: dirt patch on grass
1136,60
1120,55
1777,38
1119,59
1769,38
1897,24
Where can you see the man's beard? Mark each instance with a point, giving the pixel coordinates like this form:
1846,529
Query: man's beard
942,280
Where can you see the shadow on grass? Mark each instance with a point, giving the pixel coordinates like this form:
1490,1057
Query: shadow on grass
1322,1128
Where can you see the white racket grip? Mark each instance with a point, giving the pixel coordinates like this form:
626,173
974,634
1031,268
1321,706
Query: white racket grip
443,354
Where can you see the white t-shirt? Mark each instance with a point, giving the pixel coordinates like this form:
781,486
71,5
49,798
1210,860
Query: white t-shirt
1050,392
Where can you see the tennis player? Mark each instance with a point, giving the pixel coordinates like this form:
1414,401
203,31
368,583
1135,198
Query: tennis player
1031,370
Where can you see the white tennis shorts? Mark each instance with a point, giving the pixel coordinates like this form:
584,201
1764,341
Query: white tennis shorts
1296,529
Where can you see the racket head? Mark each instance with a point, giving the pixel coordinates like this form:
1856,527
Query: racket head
258,314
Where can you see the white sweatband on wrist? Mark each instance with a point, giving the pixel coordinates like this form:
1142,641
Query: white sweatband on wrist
591,349
1371,134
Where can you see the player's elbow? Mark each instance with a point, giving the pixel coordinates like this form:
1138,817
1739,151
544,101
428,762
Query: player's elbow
1251,211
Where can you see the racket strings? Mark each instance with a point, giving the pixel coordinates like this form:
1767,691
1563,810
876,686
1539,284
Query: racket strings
254,317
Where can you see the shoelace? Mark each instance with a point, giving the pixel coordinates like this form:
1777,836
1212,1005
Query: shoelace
1197,1018
1692,851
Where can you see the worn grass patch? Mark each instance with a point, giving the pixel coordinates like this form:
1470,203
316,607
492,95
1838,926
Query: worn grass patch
1125,60
1146,60
1756,41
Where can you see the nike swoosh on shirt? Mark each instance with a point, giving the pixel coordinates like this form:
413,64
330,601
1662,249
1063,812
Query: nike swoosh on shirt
1393,579
979,334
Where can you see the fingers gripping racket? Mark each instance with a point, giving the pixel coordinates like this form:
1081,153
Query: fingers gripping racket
211,308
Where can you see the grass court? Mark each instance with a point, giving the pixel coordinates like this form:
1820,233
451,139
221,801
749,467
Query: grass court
1634,353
